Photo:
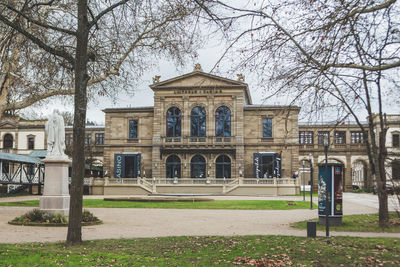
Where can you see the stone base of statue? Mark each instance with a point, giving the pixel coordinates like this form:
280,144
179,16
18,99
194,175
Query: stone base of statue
55,197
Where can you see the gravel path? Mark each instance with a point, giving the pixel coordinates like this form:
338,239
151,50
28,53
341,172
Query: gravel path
131,223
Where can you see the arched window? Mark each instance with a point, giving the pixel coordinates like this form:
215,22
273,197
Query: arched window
8,141
173,164
173,122
223,167
223,121
198,167
198,122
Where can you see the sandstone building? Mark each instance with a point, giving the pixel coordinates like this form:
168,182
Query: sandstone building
201,126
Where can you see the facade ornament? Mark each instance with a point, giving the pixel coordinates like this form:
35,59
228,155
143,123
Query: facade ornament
55,131
156,79
240,77
197,67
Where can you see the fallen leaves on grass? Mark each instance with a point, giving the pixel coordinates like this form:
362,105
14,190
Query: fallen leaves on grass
268,261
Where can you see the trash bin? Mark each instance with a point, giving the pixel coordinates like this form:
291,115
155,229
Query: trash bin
311,229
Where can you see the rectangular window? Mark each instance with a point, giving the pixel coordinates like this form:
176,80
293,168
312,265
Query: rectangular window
68,139
133,129
396,170
88,139
321,137
306,138
395,140
357,137
31,142
267,127
340,137
99,139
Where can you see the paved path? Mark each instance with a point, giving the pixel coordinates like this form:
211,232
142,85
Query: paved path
130,223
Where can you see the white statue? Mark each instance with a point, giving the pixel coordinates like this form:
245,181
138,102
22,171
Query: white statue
55,130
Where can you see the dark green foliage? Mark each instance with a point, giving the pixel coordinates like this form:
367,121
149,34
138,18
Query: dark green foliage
39,216
87,216
35,215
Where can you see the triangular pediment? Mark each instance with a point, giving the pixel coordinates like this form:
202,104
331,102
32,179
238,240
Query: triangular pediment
197,79
8,124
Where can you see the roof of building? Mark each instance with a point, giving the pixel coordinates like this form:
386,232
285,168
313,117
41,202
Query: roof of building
38,154
127,109
260,106
99,127
18,158
230,82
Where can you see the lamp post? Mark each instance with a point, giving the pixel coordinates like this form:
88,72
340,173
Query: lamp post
304,182
311,179
326,145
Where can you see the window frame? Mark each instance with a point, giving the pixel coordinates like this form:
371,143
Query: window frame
197,165
29,137
97,137
174,117
397,144
173,166
357,137
338,138
9,142
198,116
223,116
69,139
395,166
88,139
133,129
226,166
269,124
306,137
321,137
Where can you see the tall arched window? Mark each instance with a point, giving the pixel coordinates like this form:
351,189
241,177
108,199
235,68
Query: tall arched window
198,167
173,165
223,121
198,122
223,167
173,122
8,141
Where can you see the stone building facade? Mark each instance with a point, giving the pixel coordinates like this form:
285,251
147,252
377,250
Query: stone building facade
201,126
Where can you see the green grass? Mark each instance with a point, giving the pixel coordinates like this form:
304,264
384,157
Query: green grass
358,223
206,251
307,195
218,204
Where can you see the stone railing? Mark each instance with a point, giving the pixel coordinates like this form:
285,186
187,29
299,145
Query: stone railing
148,182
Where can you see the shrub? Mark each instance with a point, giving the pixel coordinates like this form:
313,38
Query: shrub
87,216
59,218
35,215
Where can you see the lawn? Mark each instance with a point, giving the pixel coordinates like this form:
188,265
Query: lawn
358,223
217,204
206,251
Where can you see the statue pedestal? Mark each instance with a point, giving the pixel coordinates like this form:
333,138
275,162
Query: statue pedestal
55,197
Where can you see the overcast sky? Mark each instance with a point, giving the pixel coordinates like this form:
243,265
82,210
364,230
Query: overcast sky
144,95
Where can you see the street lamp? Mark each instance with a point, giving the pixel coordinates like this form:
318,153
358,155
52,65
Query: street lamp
326,145
304,182
311,179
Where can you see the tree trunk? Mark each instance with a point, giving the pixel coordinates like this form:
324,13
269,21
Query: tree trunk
74,235
382,193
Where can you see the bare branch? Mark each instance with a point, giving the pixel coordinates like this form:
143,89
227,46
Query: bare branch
105,11
37,41
47,26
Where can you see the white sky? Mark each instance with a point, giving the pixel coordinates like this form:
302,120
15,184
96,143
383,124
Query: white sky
144,95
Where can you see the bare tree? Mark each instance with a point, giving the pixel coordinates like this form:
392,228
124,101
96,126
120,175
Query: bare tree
329,57
64,47
122,44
